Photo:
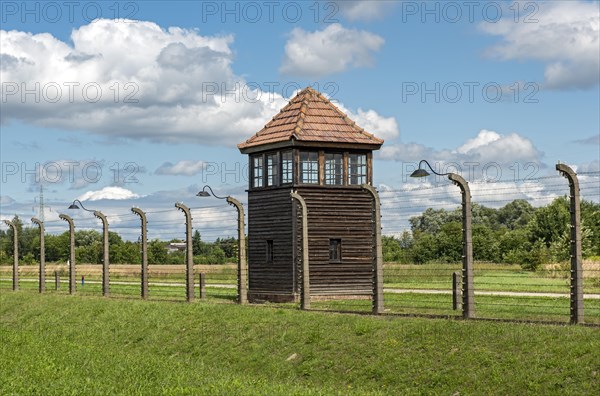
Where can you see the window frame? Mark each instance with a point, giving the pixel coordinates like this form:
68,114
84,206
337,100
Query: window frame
354,169
270,251
288,172
335,250
256,177
340,168
311,171
272,178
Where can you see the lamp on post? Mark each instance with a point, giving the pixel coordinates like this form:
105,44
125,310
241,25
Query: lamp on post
242,262
468,305
105,244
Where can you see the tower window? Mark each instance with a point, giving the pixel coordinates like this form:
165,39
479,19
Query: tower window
257,171
333,168
287,167
269,251
357,169
272,170
309,167
335,250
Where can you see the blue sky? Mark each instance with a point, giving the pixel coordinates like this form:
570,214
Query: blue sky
539,63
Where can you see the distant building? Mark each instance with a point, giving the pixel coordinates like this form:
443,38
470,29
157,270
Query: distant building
176,247
315,149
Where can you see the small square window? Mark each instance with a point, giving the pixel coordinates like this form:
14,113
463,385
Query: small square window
269,251
335,250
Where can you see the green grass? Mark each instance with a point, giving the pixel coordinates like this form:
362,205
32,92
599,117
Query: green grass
71,345
522,308
488,277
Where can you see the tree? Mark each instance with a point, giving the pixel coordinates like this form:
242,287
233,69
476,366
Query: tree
515,214
157,252
590,220
197,243
423,250
486,243
549,223
431,220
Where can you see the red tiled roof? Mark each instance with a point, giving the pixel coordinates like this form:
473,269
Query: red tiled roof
310,117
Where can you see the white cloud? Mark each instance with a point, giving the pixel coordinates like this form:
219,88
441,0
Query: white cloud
182,168
169,83
566,37
486,147
332,50
172,73
115,193
593,166
483,138
365,10
383,127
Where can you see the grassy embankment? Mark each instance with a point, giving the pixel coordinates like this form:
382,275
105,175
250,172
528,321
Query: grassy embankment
60,345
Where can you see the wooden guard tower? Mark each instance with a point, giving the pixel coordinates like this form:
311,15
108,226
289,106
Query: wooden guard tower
310,147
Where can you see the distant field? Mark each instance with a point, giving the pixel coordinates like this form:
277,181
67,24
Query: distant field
488,277
56,345
410,289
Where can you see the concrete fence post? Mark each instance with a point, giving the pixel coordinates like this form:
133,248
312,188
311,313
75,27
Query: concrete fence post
468,293
69,220
242,261
576,292
202,285
189,253
305,296
42,274
378,298
15,272
144,241
105,254
455,290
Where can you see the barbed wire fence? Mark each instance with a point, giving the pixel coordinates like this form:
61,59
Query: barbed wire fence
418,279
504,289
410,287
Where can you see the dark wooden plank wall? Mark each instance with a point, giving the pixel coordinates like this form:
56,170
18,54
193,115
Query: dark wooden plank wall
270,217
338,213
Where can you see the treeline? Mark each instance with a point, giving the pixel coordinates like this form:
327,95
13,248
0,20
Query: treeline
516,233
88,248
